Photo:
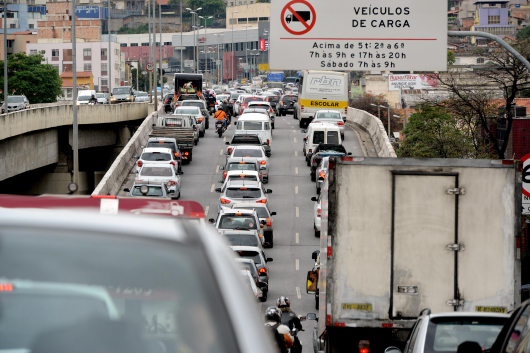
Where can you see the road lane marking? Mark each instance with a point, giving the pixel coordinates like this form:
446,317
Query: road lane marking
217,170
294,130
295,140
221,153
297,238
297,211
296,153
295,170
213,187
296,189
224,139
206,211
298,294
297,265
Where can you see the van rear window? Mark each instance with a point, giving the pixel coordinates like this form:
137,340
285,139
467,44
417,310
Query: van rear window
243,193
318,137
252,125
162,144
333,137
156,156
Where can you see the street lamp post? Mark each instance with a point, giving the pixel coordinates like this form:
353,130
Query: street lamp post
232,46
246,45
267,34
205,36
379,114
217,63
195,51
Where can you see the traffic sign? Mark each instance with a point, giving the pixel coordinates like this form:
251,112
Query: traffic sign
150,67
526,183
383,35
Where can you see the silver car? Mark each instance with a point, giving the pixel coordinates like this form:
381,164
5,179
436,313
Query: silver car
196,113
141,97
199,104
257,152
232,219
330,116
238,191
265,218
242,163
156,155
103,98
148,189
164,173
15,103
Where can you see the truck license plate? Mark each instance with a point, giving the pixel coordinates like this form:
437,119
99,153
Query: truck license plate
491,309
360,307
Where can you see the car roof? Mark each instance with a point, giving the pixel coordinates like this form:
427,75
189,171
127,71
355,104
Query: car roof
242,159
253,116
466,314
245,260
156,165
157,149
250,172
241,182
260,102
150,183
192,100
246,248
252,232
235,210
168,139
328,111
323,126
249,147
249,204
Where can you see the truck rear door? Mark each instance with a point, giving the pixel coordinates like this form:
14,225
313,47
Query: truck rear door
424,223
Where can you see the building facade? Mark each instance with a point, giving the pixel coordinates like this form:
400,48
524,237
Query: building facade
17,42
242,15
492,17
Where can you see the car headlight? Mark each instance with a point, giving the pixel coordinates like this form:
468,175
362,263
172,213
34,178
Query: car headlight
113,99
129,98
76,102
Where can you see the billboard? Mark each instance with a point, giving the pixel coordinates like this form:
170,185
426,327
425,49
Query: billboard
275,77
406,82
383,35
87,11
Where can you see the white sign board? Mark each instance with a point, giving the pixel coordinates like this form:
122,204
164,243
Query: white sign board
244,66
188,63
526,184
407,82
409,35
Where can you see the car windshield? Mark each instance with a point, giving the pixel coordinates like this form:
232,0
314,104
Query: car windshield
189,111
199,105
242,239
261,211
155,156
236,221
156,171
245,140
249,266
329,116
243,193
141,94
252,99
243,177
235,96
153,191
121,90
163,144
101,95
246,152
15,99
253,255
83,98
222,97
97,292
447,333
289,99
242,166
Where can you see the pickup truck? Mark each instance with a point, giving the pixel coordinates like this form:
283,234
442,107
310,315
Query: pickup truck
181,128
252,140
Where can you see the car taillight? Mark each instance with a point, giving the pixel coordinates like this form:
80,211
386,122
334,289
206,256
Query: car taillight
172,163
281,103
301,107
263,270
176,154
310,150
340,123
186,153
176,104
322,174
319,212
224,201
262,201
268,142
224,175
270,110
262,162
171,183
364,346
200,120
269,221
229,150
140,163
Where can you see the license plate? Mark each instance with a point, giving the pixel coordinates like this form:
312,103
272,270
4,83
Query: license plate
360,307
491,309
184,157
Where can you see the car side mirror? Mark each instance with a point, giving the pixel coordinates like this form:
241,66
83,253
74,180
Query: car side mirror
153,125
269,259
392,350
180,173
311,316
344,118
263,222
227,143
211,220
264,144
348,154
305,138
221,168
218,190
220,181
304,132
127,190
269,191
226,153
142,146
136,157
314,255
314,198
273,213
268,154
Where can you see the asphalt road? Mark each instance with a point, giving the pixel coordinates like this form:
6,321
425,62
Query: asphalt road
294,239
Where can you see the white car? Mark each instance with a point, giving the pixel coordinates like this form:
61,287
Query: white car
251,283
239,101
332,117
196,112
317,212
103,98
239,219
156,155
219,100
141,97
254,152
240,175
165,173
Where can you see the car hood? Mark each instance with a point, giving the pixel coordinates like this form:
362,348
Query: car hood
121,96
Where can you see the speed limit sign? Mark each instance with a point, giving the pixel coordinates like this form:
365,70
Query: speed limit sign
526,184
150,67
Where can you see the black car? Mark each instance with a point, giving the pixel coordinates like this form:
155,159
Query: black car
273,99
168,99
286,104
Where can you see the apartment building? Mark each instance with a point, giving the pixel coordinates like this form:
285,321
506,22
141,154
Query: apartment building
239,14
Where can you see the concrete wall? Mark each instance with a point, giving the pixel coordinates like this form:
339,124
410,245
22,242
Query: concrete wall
375,128
35,119
113,179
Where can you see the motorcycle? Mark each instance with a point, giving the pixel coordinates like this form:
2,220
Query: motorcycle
297,344
220,128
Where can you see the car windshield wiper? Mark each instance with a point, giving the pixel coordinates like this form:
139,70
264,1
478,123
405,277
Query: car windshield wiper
248,197
241,228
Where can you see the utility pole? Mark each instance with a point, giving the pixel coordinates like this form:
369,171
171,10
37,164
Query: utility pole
154,57
149,75
5,58
232,47
181,44
75,127
160,59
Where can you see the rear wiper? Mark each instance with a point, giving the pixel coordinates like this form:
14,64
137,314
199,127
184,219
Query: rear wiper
160,159
241,228
248,197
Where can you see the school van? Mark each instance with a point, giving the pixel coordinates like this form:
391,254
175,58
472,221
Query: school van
320,90
318,133
255,124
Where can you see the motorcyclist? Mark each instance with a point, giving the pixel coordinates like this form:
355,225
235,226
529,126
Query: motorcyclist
291,320
220,116
225,108
93,100
281,333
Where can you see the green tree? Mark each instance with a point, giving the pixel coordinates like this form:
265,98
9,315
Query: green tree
433,133
450,58
27,75
209,7
523,33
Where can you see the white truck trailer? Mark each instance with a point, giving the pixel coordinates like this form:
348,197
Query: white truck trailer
400,235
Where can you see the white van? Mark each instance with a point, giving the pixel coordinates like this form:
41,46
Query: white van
84,96
256,124
318,133
320,90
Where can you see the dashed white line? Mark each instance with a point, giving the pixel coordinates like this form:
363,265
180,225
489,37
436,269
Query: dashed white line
297,211
297,266
206,212
213,187
295,140
224,139
296,189
217,170
297,238
221,153
298,294
294,130
295,170
296,153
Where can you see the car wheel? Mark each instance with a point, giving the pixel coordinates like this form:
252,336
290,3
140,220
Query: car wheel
318,190
201,134
273,126
264,296
313,176
196,142
300,123
316,302
317,232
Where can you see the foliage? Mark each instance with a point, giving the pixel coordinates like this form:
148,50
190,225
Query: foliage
143,83
433,133
141,29
450,58
27,75
523,33
209,7
365,102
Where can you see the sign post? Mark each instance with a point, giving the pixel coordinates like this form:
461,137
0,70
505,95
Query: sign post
526,184
150,67
410,35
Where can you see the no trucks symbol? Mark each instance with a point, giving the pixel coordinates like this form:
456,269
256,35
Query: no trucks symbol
298,17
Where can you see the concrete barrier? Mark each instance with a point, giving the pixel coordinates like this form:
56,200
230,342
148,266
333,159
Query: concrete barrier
34,119
375,128
112,180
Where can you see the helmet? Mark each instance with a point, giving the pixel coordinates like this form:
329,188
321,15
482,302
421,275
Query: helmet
273,314
283,302
224,100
